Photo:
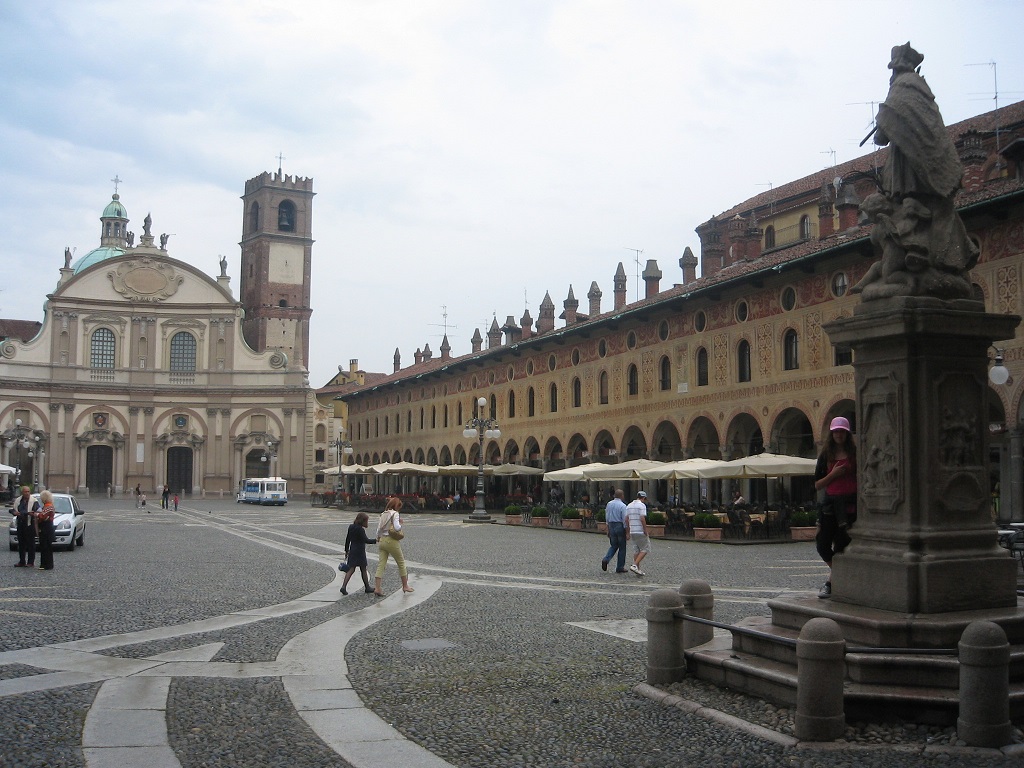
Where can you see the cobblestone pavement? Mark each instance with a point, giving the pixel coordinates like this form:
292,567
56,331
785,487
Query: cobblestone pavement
216,636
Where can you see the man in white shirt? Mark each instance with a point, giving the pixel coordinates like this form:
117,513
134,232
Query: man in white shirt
636,531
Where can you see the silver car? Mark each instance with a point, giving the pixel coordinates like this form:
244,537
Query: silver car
68,523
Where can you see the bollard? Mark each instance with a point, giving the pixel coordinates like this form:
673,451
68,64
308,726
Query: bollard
820,669
665,660
984,719
700,602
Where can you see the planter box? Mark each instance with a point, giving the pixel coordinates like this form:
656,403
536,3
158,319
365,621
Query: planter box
540,522
656,531
573,525
707,534
803,534
602,528
513,519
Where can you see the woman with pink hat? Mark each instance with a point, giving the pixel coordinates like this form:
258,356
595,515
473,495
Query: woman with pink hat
836,473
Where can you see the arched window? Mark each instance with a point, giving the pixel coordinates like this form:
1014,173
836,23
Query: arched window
444,423
553,398
632,381
458,411
376,426
769,237
494,407
103,351
254,218
791,350
603,388
702,367
433,417
665,374
577,393
805,227
408,420
286,216
183,352
743,360
511,404
531,402
423,419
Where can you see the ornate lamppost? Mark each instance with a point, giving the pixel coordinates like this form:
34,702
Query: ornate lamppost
269,456
480,428
344,448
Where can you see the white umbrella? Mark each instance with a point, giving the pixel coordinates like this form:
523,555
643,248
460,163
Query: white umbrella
5,470
627,470
503,470
403,468
564,475
763,465
688,469
461,470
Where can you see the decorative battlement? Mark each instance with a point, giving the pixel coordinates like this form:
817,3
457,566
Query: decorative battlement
281,181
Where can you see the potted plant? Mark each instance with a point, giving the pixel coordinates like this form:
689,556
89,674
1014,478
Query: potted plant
803,525
656,524
602,524
540,517
513,515
707,527
571,519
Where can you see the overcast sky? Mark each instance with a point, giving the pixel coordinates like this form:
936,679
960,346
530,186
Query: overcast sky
467,155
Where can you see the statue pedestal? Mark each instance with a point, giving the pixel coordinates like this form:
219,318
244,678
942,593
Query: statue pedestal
924,541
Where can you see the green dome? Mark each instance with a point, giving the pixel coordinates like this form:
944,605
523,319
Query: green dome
95,256
114,209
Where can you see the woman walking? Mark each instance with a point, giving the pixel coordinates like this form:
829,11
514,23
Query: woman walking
389,535
355,551
44,526
836,473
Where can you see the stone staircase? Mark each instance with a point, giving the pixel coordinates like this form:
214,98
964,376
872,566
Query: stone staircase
920,688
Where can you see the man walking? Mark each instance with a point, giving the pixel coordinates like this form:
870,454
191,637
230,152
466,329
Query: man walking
615,518
636,531
23,510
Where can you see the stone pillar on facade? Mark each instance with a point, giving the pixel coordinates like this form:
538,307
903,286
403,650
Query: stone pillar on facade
1011,506
924,541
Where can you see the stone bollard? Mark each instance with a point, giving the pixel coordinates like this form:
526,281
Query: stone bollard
820,669
700,602
984,719
665,660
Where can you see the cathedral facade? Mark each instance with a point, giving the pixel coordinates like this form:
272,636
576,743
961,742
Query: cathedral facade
147,371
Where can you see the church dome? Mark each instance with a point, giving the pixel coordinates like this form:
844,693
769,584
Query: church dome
95,256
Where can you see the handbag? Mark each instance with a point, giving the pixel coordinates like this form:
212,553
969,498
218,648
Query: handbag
343,566
393,532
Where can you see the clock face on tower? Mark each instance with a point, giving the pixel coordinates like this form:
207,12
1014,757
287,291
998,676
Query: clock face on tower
180,421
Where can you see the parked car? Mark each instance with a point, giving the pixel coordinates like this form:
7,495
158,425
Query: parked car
68,523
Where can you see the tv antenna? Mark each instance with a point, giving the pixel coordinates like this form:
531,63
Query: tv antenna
636,261
771,197
444,321
832,152
995,95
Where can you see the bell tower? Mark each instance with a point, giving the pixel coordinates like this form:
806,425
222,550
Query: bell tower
277,247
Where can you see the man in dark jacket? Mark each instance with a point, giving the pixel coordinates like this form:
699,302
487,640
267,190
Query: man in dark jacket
23,509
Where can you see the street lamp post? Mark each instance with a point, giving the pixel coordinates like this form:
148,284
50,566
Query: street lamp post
269,456
344,448
480,427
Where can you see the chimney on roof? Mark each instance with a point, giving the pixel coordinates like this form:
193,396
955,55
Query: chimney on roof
594,294
973,157
398,360
546,321
652,279
569,307
526,324
826,213
446,348
494,334
427,354
619,281
477,341
753,239
848,207
417,356
353,365
688,263
511,330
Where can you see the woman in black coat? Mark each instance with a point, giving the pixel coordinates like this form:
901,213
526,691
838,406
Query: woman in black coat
355,551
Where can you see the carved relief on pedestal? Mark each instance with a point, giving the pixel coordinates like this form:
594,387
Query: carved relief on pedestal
958,431
881,445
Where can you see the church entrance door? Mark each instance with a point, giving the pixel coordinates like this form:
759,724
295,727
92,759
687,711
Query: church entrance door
179,469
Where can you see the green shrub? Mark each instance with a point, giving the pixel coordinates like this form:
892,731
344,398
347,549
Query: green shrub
706,520
570,513
513,509
804,518
540,511
655,518
600,515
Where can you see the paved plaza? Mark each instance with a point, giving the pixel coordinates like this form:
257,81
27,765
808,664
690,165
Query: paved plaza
217,636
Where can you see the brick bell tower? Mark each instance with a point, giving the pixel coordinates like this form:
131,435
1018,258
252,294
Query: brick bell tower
277,248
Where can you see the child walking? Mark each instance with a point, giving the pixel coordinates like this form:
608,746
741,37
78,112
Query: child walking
355,551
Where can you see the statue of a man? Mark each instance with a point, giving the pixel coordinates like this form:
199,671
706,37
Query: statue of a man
924,246
223,266
163,241
67,257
